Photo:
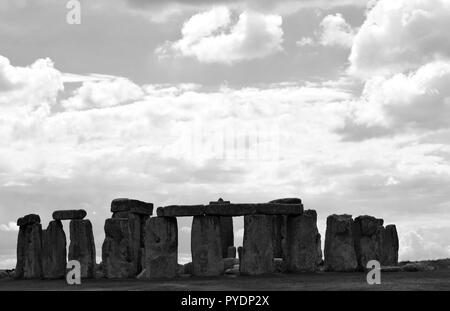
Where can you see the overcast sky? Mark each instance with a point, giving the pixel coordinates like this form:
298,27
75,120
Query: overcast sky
349,101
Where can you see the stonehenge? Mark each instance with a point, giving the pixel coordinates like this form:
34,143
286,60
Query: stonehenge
117,253
206,246
124,244
257,251
340,254
29,248
161,247
303,251
54,251
351,243
279,237
43,253
82,246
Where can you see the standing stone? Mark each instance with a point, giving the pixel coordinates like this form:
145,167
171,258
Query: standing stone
134,222
366,234
340,252
82,246
117,253
257,252
278,224
54,253
206,246
29,249
303,239
226,234
161,247
137,212
231,253
389,246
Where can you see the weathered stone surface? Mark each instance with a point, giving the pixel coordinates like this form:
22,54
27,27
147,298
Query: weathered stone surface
287,201
231,252
229,263
278,222
29,251
180,210
242,209
226,234
117,252
69,214
54,253
368,225
133,206
233,271
4,274
257,252
389,246
82,246
366,234
161,247
28,220
303,239
340,252
134,222
124,214
188,268
206,246
280,265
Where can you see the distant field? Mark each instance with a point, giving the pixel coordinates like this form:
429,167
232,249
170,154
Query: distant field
425,280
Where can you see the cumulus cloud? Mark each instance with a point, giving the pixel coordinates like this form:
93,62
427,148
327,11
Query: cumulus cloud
404,102
29,89
10,227
334,31
425,244
104,93
399,36
212,37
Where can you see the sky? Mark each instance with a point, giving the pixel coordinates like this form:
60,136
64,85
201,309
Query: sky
342,103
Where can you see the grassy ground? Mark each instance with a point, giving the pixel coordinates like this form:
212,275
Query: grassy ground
425,280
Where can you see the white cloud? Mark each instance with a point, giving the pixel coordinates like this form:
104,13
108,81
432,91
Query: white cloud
425,244
402,35
211,37
103,93
403,103
335,31
30,89
305,41
10,227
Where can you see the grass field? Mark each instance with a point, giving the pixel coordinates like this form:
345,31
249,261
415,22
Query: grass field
425,280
